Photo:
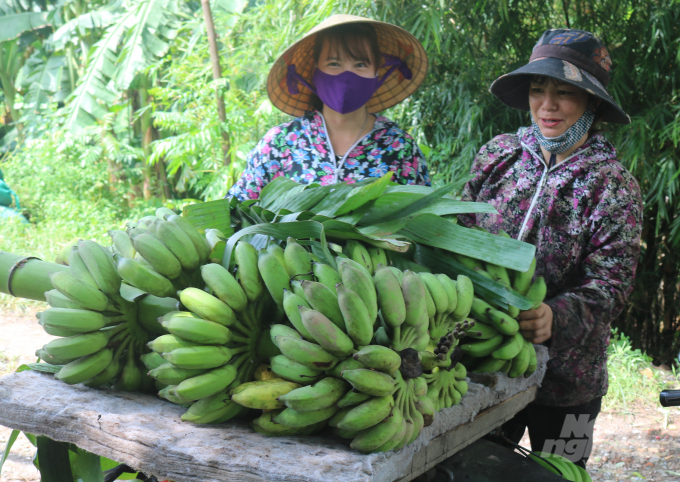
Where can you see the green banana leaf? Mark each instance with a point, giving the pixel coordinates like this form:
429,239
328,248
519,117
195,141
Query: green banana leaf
212,214
54,463
12,438
431,230
484,287
413,207
362,194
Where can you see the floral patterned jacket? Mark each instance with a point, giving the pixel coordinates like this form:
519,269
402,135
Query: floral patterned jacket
585,218
299,150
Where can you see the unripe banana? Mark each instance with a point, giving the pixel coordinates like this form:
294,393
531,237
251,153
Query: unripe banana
357,252
85,367
396,438
214,237
322,394
510,348
379,358
293,418
199,357
265,425
362,284
57,300
152,360
489,365
410,430
282,330
465,295
324,301
451,293
298,264
130,378
248,274
326,275
390,298
157,255
371,382
47,358
429,302
482,348
82,293
345,434
291,370
169,374
206,384
77,345
480,331
498,274
262,395
348,363
150,308
274,274
122,244
77,321
197,330
437,291
325,333
306,353
351,399
100,265
143,278
297,289
460,371
291,302
370,439
176,240
537,292
207,306
502,322
397,272
107,375
79,268
378,256
163,213
533,362
468,262
367,414
522,280
480,310
200,243
225,286
357,320
430,361
167,343
215,407
413,290
521,362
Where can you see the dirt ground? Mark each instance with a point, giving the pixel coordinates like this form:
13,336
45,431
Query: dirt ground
641,445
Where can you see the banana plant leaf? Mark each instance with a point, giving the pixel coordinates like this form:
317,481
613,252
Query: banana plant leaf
431,230
413,207
363,194
12,438
338,230
484,287
212,214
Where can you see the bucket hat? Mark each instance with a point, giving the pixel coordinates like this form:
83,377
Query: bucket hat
573,56
403,54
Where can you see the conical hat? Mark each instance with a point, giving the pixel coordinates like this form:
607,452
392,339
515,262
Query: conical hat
392,40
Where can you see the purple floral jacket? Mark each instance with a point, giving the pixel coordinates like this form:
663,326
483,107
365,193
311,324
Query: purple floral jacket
585,218
299,150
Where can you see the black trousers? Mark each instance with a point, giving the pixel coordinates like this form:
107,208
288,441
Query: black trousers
565,431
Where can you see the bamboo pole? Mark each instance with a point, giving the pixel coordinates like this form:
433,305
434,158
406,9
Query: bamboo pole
25,276
217,74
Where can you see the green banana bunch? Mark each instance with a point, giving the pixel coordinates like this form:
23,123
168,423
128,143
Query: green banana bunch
367,414
274,274
157,255
320,395
101,267
86,295
200,243
178,243
356,278
122,243
142,277
325,333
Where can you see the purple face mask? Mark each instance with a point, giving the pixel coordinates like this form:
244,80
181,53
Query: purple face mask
345,92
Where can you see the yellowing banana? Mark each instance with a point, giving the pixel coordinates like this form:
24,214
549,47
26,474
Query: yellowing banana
225,286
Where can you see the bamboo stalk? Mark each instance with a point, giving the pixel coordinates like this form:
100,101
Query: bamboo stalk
26,277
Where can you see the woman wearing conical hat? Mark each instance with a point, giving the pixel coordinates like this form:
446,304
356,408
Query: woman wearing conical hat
558,185
335,80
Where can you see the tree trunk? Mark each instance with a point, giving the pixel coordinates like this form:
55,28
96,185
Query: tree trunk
217,74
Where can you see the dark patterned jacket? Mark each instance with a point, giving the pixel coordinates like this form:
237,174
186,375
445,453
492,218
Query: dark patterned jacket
585,218
300,151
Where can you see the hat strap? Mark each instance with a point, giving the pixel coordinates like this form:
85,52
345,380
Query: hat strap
392,61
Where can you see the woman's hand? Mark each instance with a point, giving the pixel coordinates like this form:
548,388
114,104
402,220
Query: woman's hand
536,325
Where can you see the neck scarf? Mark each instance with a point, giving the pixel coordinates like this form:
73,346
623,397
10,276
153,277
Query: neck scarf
559,144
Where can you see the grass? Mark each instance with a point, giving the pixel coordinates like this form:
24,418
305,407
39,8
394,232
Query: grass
633,380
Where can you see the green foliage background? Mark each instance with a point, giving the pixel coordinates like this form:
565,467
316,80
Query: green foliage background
109,110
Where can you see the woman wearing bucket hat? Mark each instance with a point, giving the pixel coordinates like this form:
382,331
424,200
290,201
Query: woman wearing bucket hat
334,80
558,185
